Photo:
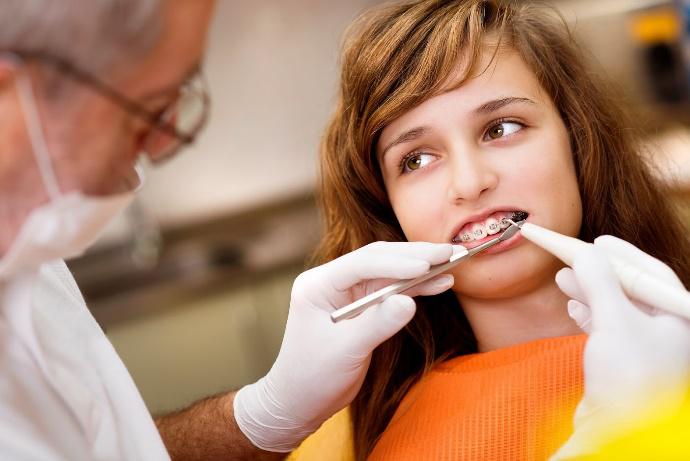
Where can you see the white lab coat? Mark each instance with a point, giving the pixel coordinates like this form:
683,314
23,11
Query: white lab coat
66,395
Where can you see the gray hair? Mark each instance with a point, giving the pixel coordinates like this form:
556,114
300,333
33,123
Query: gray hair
90,34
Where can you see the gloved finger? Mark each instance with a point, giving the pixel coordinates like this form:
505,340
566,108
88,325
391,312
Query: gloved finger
436,285
434,253
567,282
577,309
629,253
581,314
380,322
358,266
604,296
343,275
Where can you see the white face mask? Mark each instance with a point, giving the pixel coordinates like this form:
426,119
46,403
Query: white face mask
69,223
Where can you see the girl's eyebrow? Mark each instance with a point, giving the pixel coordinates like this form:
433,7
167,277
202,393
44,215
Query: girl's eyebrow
486,108
496,104
407,136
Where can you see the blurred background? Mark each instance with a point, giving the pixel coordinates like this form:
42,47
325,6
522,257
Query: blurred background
192,285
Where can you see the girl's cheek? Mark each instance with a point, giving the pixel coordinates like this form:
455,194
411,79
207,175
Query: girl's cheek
415,210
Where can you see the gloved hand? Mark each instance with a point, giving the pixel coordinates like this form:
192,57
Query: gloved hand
321,365
637,358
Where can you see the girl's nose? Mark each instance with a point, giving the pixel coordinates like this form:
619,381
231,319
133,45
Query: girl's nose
470,176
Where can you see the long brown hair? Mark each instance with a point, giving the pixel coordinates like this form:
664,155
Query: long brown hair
399,55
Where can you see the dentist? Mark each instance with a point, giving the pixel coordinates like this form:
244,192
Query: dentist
86,88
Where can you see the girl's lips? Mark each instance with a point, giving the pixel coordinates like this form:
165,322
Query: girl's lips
499,247
498,214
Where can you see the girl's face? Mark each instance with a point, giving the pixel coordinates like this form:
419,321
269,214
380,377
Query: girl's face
458,162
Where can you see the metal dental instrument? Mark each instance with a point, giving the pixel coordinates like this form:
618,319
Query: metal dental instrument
376,297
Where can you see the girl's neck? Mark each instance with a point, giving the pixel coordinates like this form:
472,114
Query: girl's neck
537,314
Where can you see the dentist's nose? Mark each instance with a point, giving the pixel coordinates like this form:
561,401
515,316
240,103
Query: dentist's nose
470,177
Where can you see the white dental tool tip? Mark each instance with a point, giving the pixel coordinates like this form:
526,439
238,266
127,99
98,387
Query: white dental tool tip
559,245
636,283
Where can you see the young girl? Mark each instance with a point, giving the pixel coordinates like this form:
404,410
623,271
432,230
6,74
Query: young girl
451,115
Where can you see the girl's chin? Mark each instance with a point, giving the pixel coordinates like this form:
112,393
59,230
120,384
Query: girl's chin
505,274
488,289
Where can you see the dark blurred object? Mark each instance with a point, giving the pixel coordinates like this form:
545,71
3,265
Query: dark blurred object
658,32
666,72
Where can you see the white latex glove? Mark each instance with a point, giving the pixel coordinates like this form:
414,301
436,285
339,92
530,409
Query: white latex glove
321,364
637,358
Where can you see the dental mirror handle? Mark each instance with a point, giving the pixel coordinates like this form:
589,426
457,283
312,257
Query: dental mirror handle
378,296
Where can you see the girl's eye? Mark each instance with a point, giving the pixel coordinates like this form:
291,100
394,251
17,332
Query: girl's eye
502,129
416,161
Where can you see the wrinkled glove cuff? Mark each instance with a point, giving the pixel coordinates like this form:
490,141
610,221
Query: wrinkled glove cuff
265,422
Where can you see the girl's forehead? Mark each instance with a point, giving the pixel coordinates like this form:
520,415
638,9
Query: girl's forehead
498,77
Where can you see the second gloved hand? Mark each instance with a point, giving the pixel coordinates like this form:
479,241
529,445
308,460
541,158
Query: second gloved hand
637,358
321,364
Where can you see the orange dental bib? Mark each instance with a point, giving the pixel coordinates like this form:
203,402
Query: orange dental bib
510,404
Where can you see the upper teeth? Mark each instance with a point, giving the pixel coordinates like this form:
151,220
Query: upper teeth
479,230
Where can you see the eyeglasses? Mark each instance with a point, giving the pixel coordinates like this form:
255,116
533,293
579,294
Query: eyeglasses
172,128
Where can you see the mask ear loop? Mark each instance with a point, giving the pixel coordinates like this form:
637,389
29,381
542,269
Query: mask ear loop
34,127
